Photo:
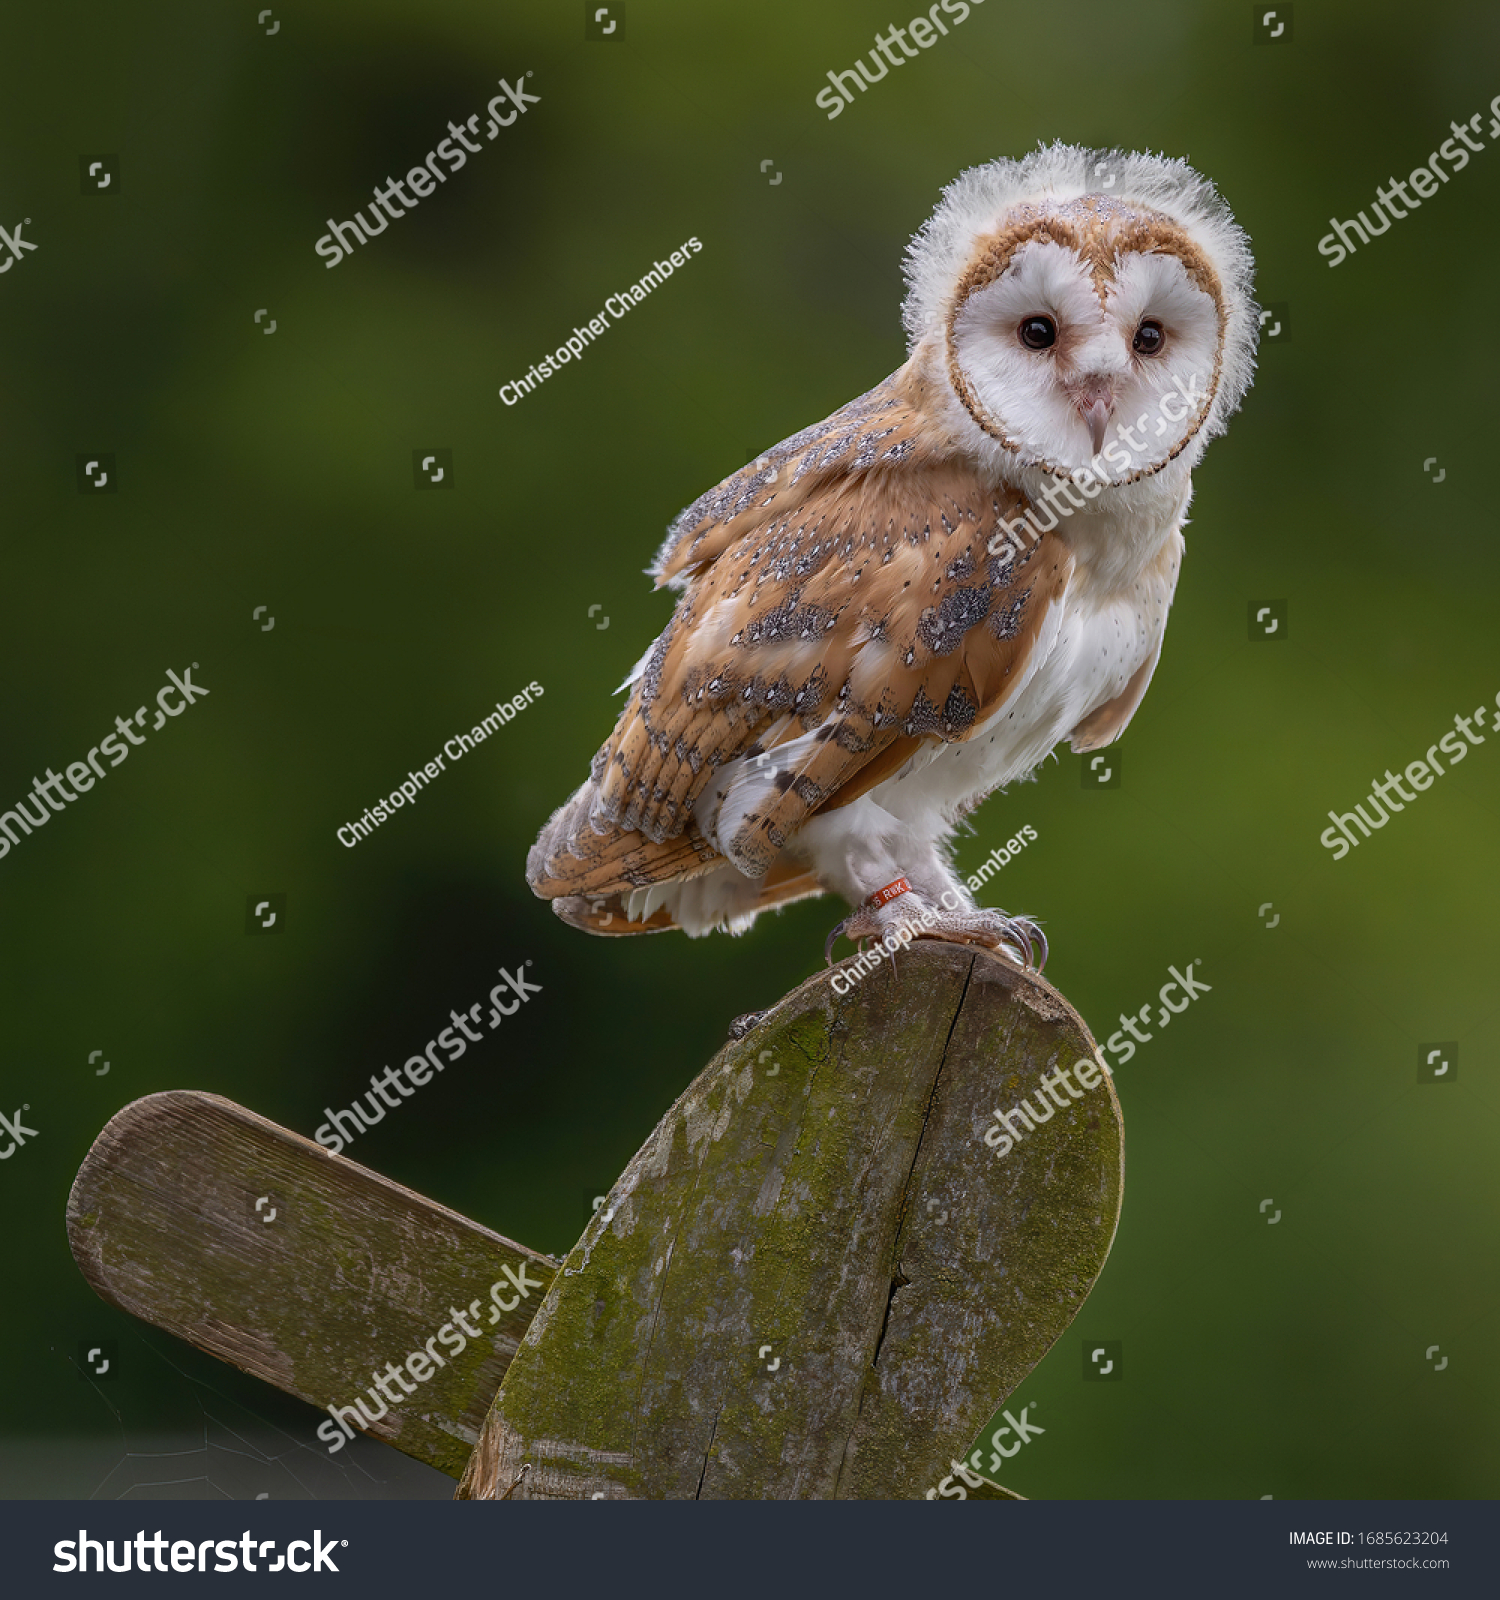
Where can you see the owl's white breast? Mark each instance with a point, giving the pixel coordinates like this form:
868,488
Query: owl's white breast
1100,634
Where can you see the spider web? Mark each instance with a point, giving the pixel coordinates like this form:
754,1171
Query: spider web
212,1445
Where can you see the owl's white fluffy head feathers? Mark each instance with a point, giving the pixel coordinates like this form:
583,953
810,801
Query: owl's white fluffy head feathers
1081,301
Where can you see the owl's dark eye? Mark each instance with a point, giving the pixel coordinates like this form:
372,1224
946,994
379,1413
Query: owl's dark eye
1149,339
1038,333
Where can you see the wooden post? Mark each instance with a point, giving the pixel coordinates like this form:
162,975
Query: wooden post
818,1279
302,1267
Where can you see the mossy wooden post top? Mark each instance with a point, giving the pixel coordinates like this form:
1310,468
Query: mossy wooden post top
839,1253
841,1250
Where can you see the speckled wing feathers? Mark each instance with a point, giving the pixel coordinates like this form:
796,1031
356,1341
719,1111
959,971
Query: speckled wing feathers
840,610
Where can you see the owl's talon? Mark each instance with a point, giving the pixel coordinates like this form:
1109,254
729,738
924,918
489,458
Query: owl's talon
865,922
1026,935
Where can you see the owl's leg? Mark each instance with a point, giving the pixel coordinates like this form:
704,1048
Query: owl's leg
895,873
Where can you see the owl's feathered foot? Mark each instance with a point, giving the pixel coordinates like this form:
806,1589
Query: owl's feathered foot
992,929
1019,936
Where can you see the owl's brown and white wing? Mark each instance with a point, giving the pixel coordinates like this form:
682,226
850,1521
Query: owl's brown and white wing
841,610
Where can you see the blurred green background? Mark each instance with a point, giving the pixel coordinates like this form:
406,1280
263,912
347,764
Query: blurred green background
1259,1359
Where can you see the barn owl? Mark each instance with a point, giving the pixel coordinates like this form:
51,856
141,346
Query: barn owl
908,605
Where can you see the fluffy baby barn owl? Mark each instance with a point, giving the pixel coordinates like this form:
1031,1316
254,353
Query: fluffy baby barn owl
906,606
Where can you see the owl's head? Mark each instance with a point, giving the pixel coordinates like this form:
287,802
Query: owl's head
1089,309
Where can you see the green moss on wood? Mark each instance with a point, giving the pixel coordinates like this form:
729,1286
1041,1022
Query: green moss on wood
843,1211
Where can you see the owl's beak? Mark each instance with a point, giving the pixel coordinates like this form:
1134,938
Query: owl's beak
1096,415
1094,396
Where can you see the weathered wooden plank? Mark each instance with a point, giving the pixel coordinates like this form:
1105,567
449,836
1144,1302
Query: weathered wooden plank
817,1279
1029,1232
337,1276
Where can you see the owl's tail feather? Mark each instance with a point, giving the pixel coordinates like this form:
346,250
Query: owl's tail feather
618,881
571,858
691,904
